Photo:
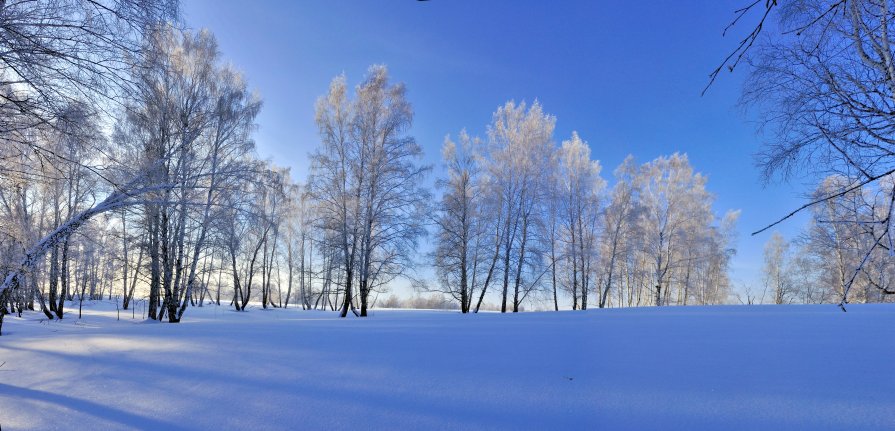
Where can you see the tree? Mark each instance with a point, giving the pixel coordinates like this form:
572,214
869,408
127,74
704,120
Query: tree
533,215
367,180
62,52
580,189
824,90
620,222
835,242
57,55
776,272
458,222
191,127
520,143
674,203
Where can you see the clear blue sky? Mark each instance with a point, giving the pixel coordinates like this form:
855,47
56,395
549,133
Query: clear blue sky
626,75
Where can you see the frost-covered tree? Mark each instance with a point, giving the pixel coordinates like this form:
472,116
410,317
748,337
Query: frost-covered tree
366,177
832,250
190,127
56,53
619,218
675,204
580,188
776,273
532,219
298,243
459,237
520,144
824,88
64,63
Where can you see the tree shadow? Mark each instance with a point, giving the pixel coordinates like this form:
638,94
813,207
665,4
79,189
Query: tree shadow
103,412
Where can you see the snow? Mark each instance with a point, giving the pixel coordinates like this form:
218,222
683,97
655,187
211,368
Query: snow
725,367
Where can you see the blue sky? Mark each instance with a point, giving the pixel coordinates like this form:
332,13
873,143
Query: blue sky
626,75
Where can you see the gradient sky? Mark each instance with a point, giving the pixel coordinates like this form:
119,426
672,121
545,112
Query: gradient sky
626,75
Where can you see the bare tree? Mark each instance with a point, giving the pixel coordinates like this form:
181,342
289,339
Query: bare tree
776,272
57,55
673,197
825,89
520,142
59,52
619,221
580,194
190,125
367,181
458,222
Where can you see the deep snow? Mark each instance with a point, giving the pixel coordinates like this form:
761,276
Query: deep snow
727,367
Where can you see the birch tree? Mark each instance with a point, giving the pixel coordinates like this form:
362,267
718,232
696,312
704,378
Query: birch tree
824,90
55,55
459,255
367,178
580,191
520,142
776,274
673,197
619,227
190,127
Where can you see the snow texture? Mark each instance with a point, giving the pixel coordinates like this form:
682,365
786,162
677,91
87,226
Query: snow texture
695,368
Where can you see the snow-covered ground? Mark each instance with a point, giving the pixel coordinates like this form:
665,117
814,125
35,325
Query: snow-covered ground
712,368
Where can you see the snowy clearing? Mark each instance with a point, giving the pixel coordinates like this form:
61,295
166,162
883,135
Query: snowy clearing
725,367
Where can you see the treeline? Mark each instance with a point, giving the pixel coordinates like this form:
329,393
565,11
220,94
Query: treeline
525,218
844,252
129,170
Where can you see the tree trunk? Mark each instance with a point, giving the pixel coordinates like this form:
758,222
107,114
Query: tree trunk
65,292
521,262
347,300
54,277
